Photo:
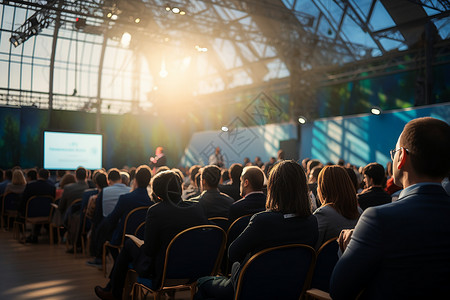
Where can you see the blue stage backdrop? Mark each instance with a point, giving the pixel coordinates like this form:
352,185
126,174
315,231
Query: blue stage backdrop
361,139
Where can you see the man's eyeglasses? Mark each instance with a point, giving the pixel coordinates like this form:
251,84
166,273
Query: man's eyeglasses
392,152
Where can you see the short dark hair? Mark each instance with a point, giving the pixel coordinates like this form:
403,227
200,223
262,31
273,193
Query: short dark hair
100,179
143,176
235,171
287,191
211,174
31,174
255,177
60,173
193,171
81,173
428,143
376,172
114,174
166,186
44,174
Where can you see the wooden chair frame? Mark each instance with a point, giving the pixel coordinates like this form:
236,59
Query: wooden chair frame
58,230
178,284
119,247
32,220
314,293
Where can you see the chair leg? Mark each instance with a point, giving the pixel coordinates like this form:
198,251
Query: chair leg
104,260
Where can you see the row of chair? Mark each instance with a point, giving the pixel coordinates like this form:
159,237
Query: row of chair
283,272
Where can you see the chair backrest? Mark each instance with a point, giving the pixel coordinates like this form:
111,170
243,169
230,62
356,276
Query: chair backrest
140,231
276,273
194,253
39,206
237,227
10,201
327,257
134,218
222,222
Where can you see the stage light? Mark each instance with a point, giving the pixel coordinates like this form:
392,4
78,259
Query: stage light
126,39
375,110
109,15
176,10
302,120
182,13
137,20
114,17
167,8
224,128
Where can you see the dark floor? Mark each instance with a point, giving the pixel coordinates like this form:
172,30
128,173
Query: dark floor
42,271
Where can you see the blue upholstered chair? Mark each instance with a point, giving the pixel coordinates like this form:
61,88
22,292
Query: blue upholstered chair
280,272
193,253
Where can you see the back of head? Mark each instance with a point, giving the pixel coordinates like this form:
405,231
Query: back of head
312,164
114,175
334,187
60,173
100,179
351,173
211,175
255,177
66,179
166,186
193,171
18,178
81,174
376,172
31,174
428,143
125,177
143,176
44,174
287,191
235,172
280,154
314,174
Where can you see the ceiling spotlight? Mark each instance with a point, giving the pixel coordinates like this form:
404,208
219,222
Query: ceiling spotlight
109,15
176,10
182,12
167,8
224,128
114,17
302,120
375,110
137,20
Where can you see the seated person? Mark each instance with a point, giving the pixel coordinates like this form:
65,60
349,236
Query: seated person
339,209
401,250
232,188
215,203
111,228
169,216
288,220
254,200
373,194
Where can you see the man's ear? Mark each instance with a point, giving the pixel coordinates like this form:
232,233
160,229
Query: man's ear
246,182
403,155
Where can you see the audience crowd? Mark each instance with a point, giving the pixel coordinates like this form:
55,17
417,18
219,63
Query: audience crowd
391,222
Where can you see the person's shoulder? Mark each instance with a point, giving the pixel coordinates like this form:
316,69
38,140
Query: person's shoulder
225,196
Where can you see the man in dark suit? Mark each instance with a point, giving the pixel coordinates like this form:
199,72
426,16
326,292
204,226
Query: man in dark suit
73,191
373,194
401,250
254,200
159,160
111,228
233,188
36,188
215,203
